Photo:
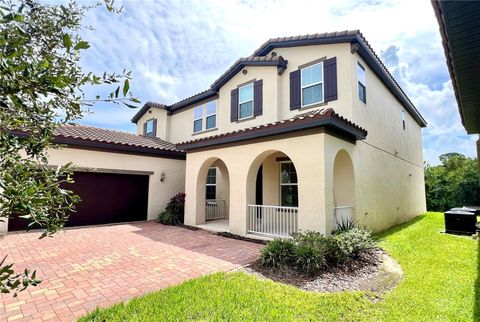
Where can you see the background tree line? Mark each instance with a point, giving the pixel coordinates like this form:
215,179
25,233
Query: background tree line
453,183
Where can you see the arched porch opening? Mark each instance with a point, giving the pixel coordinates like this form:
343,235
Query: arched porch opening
213,194
343,188
272,195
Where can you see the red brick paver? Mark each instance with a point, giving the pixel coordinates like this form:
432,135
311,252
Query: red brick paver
84,268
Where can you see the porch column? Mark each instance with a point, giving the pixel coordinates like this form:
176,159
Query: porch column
194,208
238,198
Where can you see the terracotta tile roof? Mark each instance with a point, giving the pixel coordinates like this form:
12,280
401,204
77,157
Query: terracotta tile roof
278,61
95,134
310,119
267,46
145,108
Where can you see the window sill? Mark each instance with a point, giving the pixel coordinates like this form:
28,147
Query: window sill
245,119
307,107
205,131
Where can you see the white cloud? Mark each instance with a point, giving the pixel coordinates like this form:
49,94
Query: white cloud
178,48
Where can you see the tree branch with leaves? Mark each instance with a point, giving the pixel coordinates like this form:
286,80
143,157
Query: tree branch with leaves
42,87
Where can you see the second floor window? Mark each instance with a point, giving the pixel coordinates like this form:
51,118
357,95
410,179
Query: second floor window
362,85
211,115
312,84
245,101
149,128
198,119
207,111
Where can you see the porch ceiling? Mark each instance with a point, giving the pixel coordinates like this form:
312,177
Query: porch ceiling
326,118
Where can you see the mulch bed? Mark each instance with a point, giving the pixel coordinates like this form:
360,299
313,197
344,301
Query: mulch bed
368,272
233,236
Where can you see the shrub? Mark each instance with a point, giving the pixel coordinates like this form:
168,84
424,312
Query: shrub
346,245
277,253
345,225
310,258
175,211
312,238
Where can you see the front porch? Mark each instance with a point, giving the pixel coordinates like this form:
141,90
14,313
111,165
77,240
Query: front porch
271,189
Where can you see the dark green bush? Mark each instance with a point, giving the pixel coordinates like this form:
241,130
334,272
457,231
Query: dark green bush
344,246
309,258
175,211
277,253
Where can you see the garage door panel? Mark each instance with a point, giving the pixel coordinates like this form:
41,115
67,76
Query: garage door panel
105,198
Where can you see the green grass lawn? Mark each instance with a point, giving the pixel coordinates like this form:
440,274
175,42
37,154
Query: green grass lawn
441,283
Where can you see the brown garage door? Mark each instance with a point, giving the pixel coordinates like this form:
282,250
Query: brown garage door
105,198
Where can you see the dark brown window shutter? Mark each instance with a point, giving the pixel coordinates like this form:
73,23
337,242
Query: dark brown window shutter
154,134
145,129
330,79
257,97
234,106
295,90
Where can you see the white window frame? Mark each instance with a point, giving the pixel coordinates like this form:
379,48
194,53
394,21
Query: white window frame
359,65
209,115
285,184
240,102
198,118
212,184
311,85
204,116
149,121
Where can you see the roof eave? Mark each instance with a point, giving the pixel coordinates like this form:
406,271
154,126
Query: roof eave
239,65
144,110
116,147
349,131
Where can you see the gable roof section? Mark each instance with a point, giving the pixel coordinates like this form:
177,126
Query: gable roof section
313,119
105,139
364,50
145,108
248,61
259,58
459,24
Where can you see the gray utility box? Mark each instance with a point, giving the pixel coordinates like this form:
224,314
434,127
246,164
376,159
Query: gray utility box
460,222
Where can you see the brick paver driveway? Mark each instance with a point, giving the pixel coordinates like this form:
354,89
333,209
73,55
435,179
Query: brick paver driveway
84,268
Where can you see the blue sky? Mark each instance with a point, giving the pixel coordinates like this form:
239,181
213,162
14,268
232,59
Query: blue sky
178,48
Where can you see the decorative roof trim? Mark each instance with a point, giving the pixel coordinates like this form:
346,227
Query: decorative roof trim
248,61
118,148
192,100
145,108
318,118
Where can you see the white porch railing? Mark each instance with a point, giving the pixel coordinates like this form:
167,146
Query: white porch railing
342,214
214,209
272,221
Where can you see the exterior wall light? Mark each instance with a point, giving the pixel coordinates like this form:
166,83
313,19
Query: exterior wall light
162,177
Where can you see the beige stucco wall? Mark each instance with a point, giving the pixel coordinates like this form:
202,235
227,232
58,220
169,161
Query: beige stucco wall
388,190
159,192
163,122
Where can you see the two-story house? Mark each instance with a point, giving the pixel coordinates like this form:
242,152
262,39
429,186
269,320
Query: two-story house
305,133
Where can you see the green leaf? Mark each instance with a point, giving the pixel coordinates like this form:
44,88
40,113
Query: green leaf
129,105
126,87
67,42
82,45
